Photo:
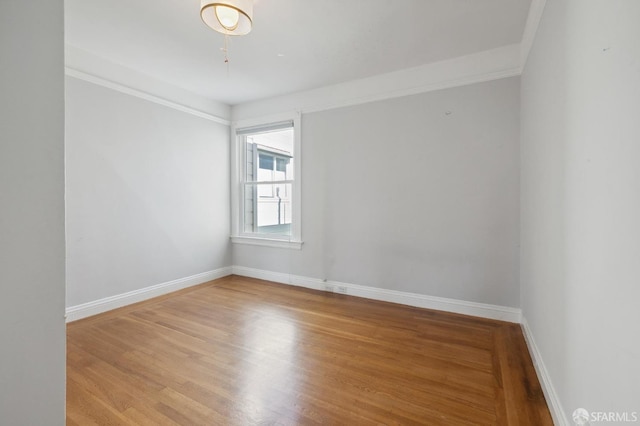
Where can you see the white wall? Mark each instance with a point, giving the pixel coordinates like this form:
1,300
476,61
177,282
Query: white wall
400,195
147,193
580,268
32,329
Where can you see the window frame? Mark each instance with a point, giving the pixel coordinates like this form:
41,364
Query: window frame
238,174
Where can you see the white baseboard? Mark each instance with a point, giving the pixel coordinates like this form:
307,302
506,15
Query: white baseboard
483,310
553,402
411,299
84,310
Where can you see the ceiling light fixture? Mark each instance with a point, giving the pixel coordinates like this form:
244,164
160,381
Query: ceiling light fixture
229,17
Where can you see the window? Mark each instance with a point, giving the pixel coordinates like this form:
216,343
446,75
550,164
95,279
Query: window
266,193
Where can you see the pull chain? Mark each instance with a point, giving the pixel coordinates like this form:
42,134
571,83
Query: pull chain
225,51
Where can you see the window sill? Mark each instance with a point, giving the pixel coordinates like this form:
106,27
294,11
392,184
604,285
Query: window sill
268,242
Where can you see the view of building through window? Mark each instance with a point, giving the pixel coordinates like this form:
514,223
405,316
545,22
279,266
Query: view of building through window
268,182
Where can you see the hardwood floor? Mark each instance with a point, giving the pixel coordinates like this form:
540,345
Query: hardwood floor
239,351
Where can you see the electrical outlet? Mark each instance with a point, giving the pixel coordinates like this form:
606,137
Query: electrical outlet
329,288
341,289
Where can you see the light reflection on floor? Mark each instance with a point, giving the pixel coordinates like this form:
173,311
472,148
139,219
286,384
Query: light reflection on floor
267,384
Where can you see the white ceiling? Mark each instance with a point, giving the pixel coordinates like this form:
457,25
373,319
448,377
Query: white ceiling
295,44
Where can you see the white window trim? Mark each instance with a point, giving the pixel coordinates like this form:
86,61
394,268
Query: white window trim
237,156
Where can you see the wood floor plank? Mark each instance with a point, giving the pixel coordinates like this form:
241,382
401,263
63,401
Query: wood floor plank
240,351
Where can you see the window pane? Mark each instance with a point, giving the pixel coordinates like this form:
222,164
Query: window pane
268,215
269,152
269,157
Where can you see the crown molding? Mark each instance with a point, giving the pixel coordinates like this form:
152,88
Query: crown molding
503,62
494,64
475,68
531,28
70,72
86,66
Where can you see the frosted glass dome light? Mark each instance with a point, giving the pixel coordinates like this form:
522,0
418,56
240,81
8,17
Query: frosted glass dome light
229,17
